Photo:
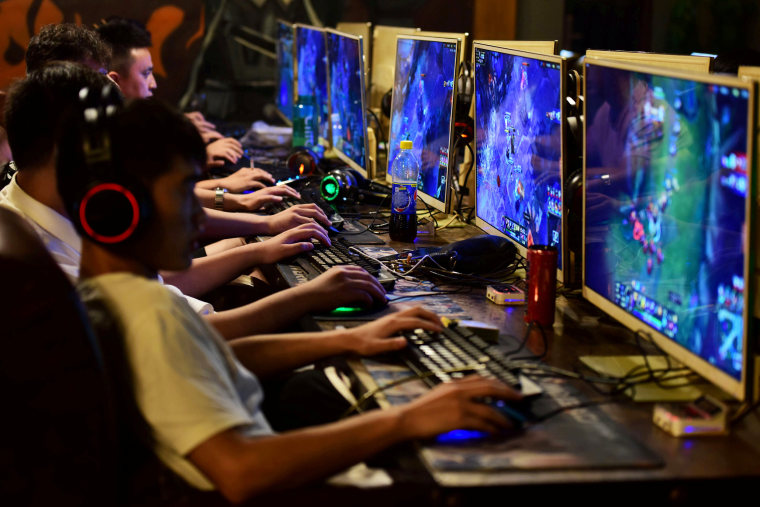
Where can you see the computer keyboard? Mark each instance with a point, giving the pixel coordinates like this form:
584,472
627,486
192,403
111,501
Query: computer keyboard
453,353
323,257
456,352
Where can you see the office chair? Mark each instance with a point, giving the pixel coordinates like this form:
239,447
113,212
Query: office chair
58,425
71,431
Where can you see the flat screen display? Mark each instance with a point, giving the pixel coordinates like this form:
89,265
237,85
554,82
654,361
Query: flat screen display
311,59
284,98
518,143
666,227
422,108
346,97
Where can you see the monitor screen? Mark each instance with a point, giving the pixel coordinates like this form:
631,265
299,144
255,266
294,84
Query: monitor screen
667,185
311,77
518,146
422,110
284,98
384,61
349,131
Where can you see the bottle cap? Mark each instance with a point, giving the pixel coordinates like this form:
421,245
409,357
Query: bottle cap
406,145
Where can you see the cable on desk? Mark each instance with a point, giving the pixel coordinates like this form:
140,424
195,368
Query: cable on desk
531,325
367,227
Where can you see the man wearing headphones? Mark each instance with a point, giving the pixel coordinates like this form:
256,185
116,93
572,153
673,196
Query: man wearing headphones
132,69
45,95
201,400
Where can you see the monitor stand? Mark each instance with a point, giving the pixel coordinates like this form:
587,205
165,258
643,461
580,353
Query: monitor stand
675,389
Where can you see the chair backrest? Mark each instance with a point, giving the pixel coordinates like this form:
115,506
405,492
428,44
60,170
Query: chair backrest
58,427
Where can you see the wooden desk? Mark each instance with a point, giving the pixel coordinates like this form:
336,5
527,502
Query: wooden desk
719,468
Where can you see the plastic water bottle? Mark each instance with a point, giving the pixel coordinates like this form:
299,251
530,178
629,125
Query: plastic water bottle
404,172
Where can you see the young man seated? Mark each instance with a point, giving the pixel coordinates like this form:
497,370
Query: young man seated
45,95
132,69
201,397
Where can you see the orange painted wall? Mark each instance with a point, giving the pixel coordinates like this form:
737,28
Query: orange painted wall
177,27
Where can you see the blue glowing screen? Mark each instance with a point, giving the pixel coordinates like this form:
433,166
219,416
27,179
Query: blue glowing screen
423,101
284,98
311,58
518,143
346,87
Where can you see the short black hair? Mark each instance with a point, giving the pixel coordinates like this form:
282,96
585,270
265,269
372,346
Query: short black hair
123,35
146,137
37,106
66,42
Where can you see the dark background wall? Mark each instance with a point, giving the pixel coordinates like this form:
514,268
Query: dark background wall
240,56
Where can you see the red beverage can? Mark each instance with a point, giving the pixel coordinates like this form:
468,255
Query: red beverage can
542,284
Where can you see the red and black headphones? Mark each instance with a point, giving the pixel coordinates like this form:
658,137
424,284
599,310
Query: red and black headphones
112,207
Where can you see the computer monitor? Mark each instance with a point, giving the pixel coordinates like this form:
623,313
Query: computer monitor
347,99
384,60
464,36
753,73
519,147
422,111
311,79
284,92
363,30
690,63
544,47
668,181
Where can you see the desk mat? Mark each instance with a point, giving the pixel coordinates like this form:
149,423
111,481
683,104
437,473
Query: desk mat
581,438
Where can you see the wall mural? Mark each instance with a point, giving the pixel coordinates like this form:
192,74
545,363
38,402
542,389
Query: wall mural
177,27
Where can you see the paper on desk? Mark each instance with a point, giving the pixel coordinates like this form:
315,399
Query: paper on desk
263,134
361,476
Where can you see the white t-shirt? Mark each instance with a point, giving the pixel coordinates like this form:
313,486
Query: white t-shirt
188,383
61,238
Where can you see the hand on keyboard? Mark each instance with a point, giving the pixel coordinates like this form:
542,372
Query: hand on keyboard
376,337
291,242
221,150
244,179
295,216
458,405
342,286
258,199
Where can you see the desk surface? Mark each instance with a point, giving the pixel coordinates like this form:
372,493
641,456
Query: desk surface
691,465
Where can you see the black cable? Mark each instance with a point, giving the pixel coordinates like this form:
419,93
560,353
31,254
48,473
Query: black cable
381,137
464,183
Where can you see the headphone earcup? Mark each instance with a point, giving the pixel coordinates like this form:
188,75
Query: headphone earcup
302,161
112,209
465,90
111,212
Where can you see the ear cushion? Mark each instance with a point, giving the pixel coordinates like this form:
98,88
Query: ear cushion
111,212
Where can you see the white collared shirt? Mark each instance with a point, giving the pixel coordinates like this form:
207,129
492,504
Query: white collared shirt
61,238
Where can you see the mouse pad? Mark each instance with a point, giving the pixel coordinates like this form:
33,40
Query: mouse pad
356,233
583,438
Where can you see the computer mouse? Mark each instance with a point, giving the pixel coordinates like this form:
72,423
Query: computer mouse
362,310
336,221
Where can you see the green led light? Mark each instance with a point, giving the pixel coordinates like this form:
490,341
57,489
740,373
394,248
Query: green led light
330,188
346,309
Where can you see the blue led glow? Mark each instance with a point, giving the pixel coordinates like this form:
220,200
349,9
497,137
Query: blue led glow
455,436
